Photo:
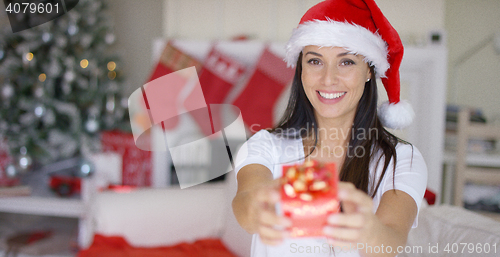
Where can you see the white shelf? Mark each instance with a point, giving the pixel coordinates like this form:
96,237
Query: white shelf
475,159
52,205
49,206
472,159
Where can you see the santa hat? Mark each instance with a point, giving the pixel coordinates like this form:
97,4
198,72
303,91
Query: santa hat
360,27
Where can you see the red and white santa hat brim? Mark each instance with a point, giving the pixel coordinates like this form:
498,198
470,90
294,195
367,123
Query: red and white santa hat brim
330,33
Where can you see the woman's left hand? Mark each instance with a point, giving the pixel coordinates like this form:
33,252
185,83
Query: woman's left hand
357,221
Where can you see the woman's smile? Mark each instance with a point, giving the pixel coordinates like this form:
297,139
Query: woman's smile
330,97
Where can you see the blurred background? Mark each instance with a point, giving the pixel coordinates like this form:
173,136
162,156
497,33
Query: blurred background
463,24
65,88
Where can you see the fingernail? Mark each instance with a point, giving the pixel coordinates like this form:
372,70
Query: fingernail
332,219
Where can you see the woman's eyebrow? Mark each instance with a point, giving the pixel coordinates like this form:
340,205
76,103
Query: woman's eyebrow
339,55
313,53
344,54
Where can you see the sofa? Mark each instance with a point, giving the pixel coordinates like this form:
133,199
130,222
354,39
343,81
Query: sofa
152,218
445,230
148,218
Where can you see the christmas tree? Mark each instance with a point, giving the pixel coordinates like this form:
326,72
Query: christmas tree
60,86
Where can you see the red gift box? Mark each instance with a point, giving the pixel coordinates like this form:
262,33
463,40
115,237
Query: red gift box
308,196
137,164
5,160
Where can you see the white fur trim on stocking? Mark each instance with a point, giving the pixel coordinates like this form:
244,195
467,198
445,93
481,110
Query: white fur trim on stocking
396,116
329,33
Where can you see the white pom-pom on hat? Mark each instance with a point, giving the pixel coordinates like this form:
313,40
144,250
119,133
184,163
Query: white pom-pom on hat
396,115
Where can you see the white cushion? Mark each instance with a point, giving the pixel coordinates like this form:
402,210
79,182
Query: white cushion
159,217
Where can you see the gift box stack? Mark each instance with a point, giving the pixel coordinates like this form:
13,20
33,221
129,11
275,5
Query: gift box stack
308,196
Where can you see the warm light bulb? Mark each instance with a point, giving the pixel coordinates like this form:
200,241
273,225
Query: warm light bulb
84,63
42,77
111,66
29,56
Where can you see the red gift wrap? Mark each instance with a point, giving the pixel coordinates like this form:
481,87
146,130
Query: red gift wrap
136,163
308,196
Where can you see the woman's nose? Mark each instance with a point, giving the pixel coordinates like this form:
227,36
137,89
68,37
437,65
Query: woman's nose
330,76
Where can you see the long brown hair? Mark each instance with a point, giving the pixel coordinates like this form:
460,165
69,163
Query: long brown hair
299,116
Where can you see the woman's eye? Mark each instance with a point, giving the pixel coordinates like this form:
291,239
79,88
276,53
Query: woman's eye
314,61
347,62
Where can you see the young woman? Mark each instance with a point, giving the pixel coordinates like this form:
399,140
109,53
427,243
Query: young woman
340,48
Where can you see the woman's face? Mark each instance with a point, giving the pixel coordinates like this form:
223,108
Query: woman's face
333,80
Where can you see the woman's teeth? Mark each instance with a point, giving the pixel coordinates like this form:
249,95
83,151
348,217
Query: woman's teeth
332,95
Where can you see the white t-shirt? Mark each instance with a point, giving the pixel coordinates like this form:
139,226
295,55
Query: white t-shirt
273,151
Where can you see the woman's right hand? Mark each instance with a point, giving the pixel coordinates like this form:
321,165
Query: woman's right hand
271,227
254,204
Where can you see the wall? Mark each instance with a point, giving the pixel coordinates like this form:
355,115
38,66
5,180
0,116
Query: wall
136,24
275,19
475,81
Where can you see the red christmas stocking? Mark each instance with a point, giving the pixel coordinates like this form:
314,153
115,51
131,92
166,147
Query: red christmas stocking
257,100
172,59
217,78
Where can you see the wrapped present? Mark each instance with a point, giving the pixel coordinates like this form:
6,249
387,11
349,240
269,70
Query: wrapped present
5,160
137,164
308,196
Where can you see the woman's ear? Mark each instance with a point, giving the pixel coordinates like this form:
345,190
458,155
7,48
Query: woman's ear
370,75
